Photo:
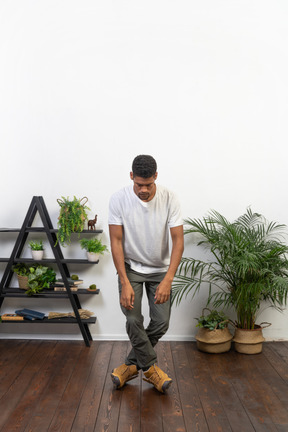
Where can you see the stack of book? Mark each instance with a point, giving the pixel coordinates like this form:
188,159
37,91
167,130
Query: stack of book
30,314
73,284
23,314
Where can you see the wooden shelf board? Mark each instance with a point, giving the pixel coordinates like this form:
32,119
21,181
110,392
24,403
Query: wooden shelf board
53,260
17,292
9,230
64,320
42,229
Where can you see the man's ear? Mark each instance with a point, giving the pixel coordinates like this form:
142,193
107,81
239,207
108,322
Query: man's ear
131,175
155,176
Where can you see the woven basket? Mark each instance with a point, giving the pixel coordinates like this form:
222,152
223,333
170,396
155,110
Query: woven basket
248,341
23,282
214,341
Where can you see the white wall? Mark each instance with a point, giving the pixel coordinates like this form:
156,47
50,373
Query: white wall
87,85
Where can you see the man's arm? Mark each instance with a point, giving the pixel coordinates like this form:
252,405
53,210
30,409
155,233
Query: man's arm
163,291
127,292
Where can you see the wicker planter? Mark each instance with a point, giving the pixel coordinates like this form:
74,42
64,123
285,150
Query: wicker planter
23,282
249,341
214,341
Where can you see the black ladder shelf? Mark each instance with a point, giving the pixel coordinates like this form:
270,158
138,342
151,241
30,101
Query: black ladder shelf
38,205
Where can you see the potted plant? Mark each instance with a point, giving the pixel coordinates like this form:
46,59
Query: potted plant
213,335
92,287
38,277
72,217
22,273
37,249
94,248
246,265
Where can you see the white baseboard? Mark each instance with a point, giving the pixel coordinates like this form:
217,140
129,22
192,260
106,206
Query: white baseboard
106,337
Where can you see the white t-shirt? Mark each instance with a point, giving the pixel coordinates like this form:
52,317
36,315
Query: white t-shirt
146,227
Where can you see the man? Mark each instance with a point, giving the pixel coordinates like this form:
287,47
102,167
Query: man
141,217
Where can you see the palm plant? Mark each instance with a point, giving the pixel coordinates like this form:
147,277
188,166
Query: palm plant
247,265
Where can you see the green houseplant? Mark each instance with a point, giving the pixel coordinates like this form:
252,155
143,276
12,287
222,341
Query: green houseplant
92,287
213,334
72,217
22,272
246,265
37,277
36,246
94,248
37,249
213,321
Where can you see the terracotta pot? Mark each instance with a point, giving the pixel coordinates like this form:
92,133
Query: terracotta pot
214,341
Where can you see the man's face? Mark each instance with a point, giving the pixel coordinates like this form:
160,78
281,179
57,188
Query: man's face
144,188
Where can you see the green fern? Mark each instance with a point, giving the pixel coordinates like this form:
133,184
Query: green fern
93,245
72,217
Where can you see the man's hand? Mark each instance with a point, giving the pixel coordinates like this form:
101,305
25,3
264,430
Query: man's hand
127,296
163,292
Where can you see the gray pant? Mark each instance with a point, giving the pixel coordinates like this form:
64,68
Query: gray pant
143,340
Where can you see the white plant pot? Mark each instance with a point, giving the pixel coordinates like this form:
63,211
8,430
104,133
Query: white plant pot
92,256
37,255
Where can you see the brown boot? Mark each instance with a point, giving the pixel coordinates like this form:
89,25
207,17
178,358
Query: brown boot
122,374
154,375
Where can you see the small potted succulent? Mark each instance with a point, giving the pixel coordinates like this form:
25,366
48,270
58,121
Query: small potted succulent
94,248
92,288
37,249
213,335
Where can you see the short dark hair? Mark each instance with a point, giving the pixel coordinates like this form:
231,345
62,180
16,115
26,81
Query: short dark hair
144,166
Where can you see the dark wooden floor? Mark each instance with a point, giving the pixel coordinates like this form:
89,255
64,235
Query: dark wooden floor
65,386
